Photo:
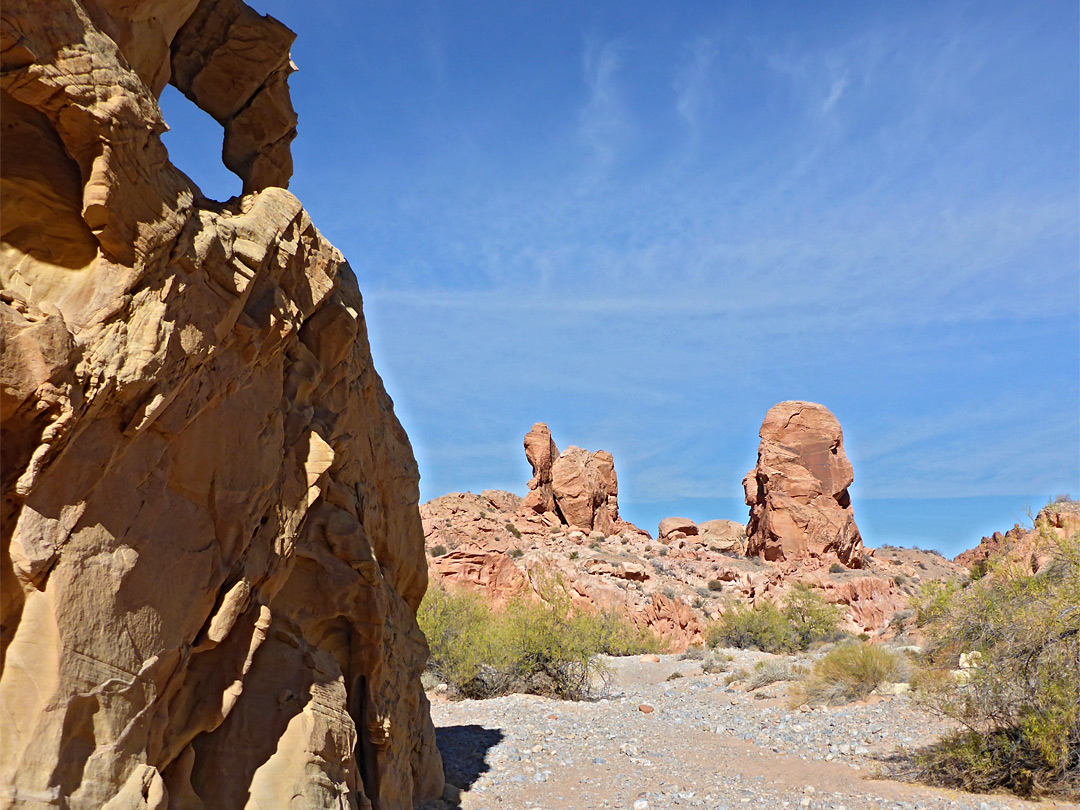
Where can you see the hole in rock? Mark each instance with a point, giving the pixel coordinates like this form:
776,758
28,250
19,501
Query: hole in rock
194,142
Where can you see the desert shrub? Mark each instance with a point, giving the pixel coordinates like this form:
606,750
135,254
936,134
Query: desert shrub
1020,706
773,670
715,662
510,527
763,627
595,545
516,553
531,646
573,555
933,599
695,652
662,551
438,551
837,568
716,585
674,676
804,619
812,618
851,672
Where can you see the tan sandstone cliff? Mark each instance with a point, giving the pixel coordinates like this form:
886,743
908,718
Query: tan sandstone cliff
212,553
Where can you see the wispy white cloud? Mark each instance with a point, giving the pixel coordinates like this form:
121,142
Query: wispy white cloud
603,119
836,90
693,83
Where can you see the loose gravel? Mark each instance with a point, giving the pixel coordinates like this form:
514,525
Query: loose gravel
688,742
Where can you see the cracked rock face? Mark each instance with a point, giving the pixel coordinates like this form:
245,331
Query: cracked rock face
800,510
212,552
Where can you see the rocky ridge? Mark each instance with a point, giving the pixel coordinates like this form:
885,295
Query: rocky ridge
504,546
1028,547
212,553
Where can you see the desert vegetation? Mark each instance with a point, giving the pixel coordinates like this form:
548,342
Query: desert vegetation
803,619
1018,699
538,646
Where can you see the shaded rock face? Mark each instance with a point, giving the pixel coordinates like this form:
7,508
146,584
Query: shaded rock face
800,510
212,552
576,487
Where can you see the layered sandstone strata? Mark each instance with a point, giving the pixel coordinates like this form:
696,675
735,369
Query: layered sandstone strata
800,510
212,553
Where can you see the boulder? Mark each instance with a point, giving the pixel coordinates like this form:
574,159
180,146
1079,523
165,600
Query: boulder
676,528
723,535
212,553
800,510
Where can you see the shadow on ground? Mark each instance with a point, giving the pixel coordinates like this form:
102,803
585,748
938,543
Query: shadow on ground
464,750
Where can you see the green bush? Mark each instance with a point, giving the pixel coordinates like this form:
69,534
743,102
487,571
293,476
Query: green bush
531,646
438,551
851,672
516,553
812,618
804,619
933,600
716,585
1020,706
763,627
837,568
510,527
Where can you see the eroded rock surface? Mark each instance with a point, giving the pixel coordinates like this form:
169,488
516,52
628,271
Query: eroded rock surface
800,510
212,553
576,488
1030,548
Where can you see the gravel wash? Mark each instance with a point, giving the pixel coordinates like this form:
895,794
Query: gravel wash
650,743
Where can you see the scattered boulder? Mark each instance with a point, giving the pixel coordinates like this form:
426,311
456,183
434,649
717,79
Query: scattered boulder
676,528
212,555
726,536
800,510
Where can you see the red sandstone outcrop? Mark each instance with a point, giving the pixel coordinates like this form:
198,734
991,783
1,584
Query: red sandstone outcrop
575,487
541,452
800,510
675,528
476,542
212,553
726,536
1032,547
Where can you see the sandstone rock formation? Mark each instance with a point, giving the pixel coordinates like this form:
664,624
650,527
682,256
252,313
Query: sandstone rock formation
800,511
675,528
484,543
575,487
541,452
726,536
1031,548
212,553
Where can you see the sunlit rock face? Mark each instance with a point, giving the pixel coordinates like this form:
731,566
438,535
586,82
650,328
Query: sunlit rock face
212,552
800,510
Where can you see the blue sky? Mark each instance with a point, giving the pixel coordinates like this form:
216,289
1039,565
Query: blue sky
646,223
